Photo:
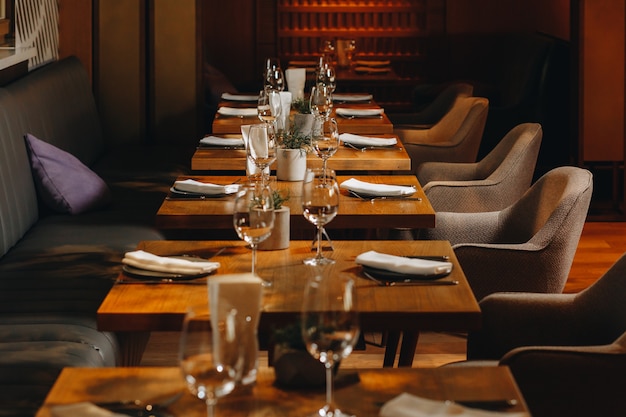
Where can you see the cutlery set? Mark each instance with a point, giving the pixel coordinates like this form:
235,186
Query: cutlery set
372,199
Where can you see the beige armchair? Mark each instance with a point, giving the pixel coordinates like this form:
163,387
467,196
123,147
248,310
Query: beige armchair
567,352
454,138
433,111
493,183
528,246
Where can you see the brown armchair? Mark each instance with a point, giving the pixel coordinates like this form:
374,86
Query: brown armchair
454,138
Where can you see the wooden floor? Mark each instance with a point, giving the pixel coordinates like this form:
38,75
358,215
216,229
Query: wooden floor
601,244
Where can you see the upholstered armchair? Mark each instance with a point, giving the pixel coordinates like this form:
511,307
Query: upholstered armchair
528,246
431,113
493,183
567,352
454,138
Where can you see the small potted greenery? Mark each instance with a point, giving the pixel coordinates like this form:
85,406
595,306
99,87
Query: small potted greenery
279,239
293,365
291,155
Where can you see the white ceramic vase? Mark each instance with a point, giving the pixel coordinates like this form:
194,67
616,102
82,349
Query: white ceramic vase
279,239
290,164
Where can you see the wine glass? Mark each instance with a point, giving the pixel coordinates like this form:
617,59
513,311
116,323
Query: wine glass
253,217
273,76
320,203
261,149
325,139
269,105
209,353
326,76
321,101
330,327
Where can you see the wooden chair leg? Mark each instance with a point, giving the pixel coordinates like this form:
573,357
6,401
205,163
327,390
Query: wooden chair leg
407,349
392,340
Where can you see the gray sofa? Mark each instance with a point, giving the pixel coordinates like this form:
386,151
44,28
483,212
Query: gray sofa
55,268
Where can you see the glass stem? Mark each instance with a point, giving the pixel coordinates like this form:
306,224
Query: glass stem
210,407
253,259
329,383
320,231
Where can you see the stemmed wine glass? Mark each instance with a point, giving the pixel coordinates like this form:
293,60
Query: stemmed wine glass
273,76
321,101
326,76
325,139
320,203
209,353
330,327
253,217
269,106
261,149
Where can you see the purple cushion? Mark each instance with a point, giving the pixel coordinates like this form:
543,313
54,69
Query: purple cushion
63,182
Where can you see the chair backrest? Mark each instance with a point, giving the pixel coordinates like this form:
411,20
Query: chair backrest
492,184
434,111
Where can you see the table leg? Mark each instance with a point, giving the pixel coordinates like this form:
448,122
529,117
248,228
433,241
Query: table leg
407,349
391,347
132,346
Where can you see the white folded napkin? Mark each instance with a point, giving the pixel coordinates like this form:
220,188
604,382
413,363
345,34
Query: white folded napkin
240,97
368,188
352,97
244,293
403,265
150,262
82,409
347,111
193,186
235,111
366,140
408,405
217,141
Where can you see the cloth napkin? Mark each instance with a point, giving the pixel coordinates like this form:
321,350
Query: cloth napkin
408,405
403,265
150,262
366,141
217,141
352,97
82,409
235,111
240,97
193,186
368,188
244,293
347,111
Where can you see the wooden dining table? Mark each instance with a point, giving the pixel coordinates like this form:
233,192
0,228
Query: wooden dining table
135,307
358,125
360,392
394,158
193,214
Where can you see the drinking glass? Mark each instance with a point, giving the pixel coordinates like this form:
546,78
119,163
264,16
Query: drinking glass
209,354
269,106
321,101
261,149
325,139
330,327
320,203
253,217
273,76
326,76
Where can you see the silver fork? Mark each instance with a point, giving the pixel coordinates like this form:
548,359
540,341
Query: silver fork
372,199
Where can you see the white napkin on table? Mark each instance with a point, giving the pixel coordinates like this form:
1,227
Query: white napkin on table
235,111
368,188
217,141
82,409
240,97
352,97
193,186
150,262
408,405
348,111
366,140
402,264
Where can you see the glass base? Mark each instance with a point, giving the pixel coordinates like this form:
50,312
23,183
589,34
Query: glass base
331,411
318,261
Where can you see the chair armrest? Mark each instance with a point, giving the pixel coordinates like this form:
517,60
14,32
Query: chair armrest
446,171
464,196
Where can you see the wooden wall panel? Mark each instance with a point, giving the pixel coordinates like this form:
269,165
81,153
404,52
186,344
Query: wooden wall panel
76,31
602,82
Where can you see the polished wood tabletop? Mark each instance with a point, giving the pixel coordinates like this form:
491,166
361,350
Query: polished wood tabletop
139,306
359,392
216,213
359,125
345,159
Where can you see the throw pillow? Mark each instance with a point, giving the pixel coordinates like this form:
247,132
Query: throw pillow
63,182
